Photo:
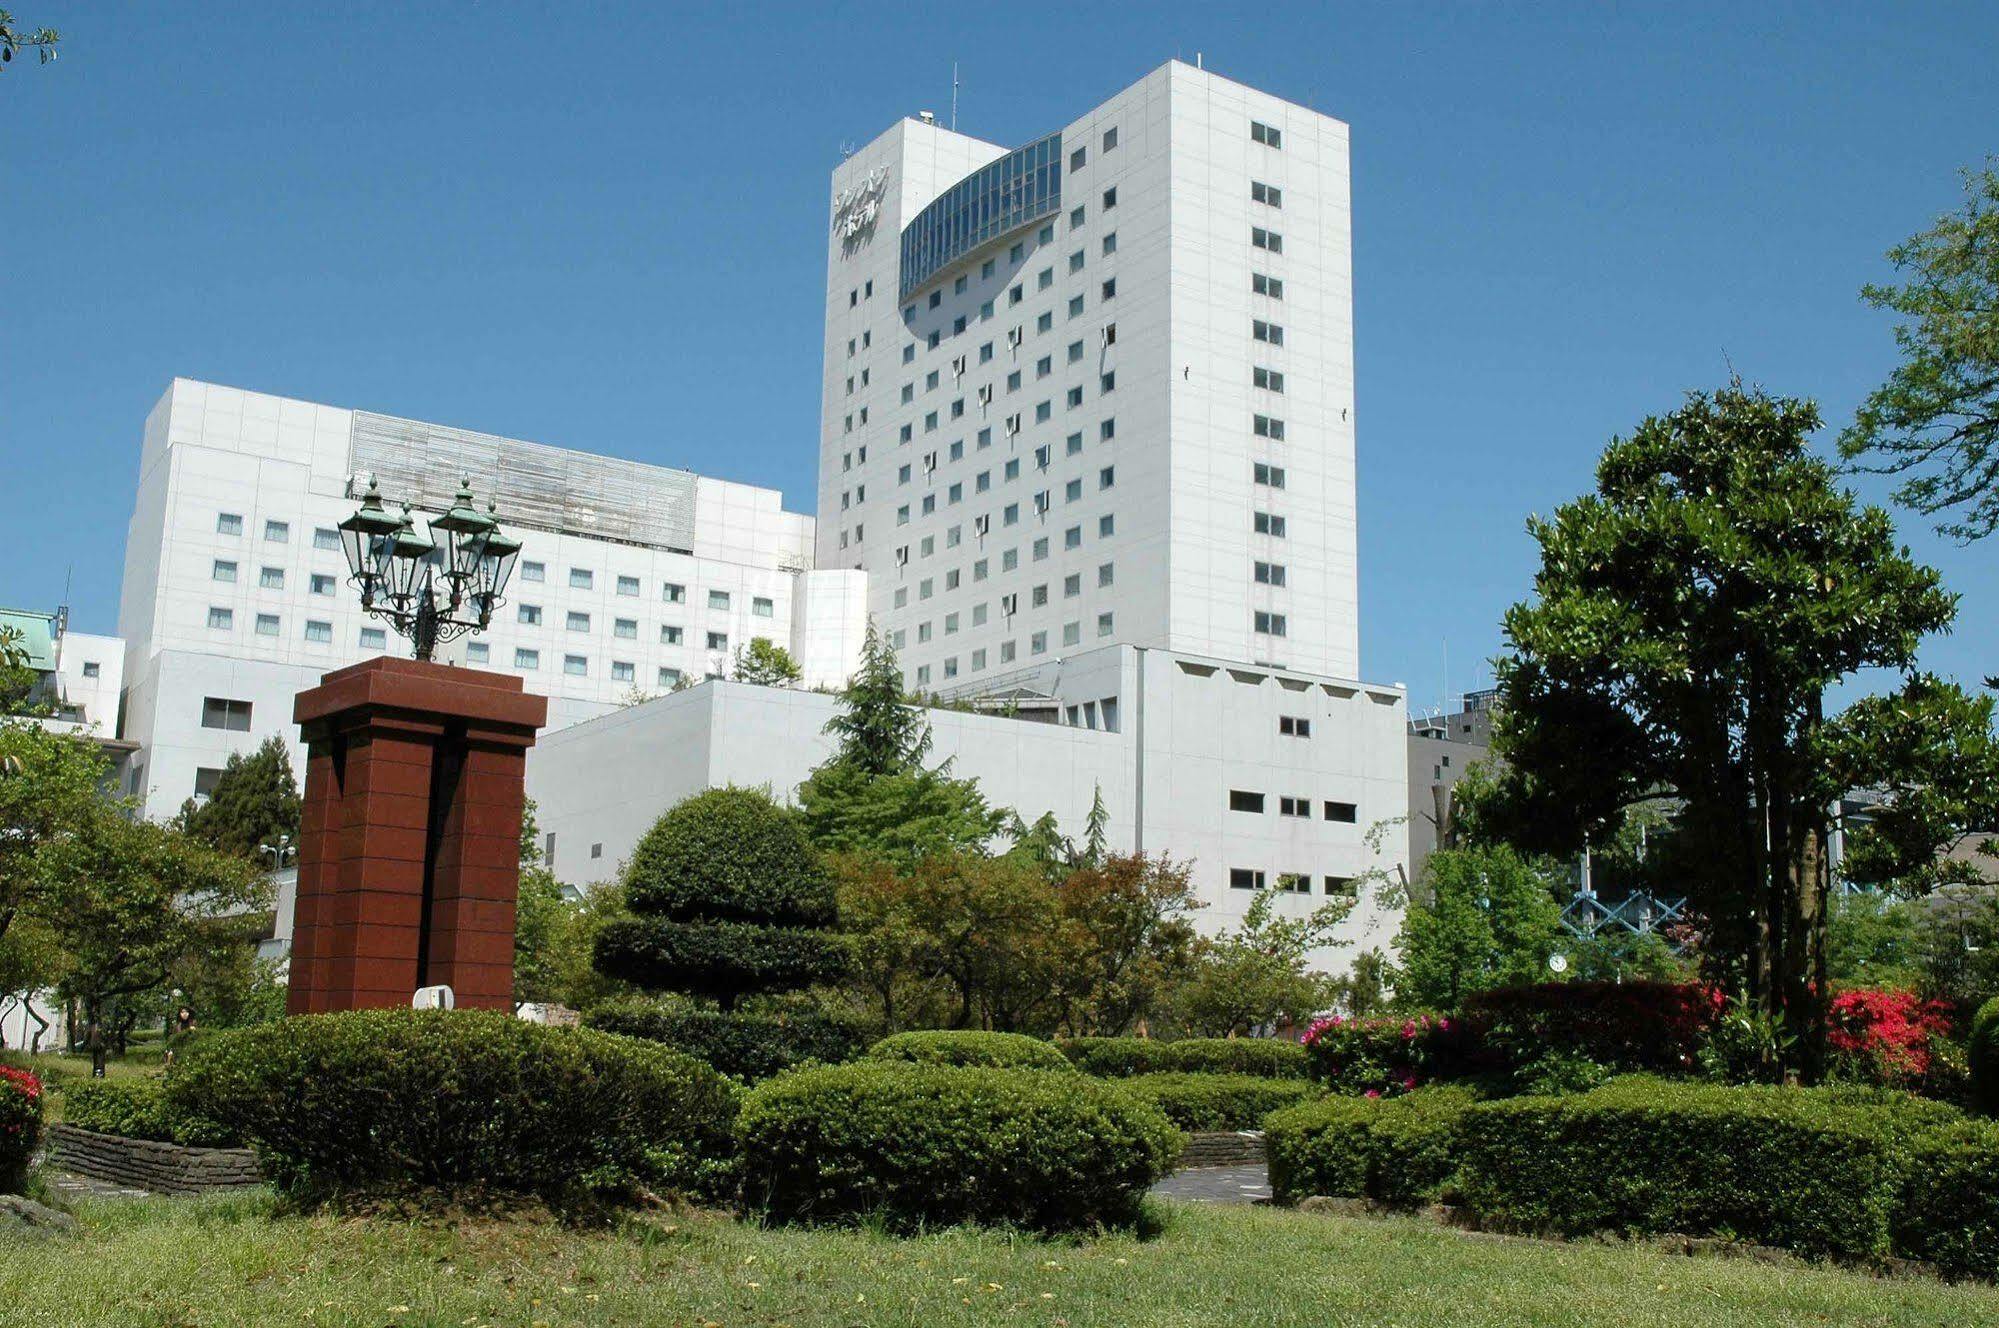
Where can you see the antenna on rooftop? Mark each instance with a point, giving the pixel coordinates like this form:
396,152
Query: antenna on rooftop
954,96
846,148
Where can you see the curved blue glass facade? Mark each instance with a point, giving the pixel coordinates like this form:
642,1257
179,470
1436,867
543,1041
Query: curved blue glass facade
1020,187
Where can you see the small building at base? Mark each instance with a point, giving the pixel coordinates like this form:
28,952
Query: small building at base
1249,775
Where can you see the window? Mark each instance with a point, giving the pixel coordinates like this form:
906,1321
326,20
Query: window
1072,491
1294,726
1076,307
528,615
762,607
1110,198
1288,806
325,538
669,677
1039,598
228,523
1037,644
1107,477
1297,883
1072,538
1259,284
1072,585
578,622
1267,332
1077,158
1075,397
1269,427
321,584
1265,134
627,628
1269,624
576,666
220,619
478,652
1072,633
718,640
222,570
628,585
1110,243
271,578
1241,800
1263,239
718,599
374,638
221,713
673,594
1269,379
534,571
1269,523
1106,574
278,532
1103,624
319,632
1343,812
1264,473
1110,138
669,636
526,659
1270,574
622,671
1242,878
581,578
92,669
1267,194
1106,525
206,777
1107,431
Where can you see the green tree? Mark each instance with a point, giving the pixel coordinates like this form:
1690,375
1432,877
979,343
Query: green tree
51,784
1871,941
1128,943
878,731
1485,918
255,803
18,680
1257,974
127,900
766,665
727,899
1690,615
15,39
991,929
1936,419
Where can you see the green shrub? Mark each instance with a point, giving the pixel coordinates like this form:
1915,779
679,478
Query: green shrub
1381,1057
1398,1150
1982,1050
1271,1058
728,898
1219,1101
1949,1211
915,1145
1807,1170
1003,1051
21,1104
751,1044
138,1108
374,1101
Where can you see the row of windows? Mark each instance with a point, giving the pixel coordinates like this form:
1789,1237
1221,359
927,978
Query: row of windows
277,532
578,620
1250,878
1037,644
1248,800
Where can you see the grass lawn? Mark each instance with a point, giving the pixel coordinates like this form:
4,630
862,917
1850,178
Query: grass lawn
224,1261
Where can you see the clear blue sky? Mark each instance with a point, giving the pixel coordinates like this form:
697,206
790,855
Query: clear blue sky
601,227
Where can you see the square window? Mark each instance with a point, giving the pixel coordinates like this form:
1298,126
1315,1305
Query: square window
578,622
326,539
622,671
576,666
762,606
718,599
526,659
478,652
271,578
321,584
1077,158
319,632
628,585
534,571
718,640
627,628
669,677
1110,138
1109,289
581,578
673,594
222,570
374,638
228,523
669,635
278,532
220,619
528,614
221,713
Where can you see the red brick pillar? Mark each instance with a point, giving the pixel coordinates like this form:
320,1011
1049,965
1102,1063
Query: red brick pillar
410,835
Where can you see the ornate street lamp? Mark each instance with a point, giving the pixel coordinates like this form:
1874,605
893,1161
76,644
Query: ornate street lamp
430,587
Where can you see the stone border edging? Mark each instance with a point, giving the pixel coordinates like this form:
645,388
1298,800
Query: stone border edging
148,1164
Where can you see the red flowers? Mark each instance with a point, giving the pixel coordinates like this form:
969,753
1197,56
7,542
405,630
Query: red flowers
1889,1032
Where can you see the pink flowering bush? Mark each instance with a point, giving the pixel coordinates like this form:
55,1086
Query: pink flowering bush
1886,1037
20,1125
1382,1057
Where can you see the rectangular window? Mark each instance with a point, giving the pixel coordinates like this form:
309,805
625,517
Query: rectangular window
278,532
320,632
222,570
1077,158
669,677
1269,379
534,571
627,628
1267,194
1343,812
1265,134
220,619
271,578
762,606
581,578
1267,426
1265,473
1297,883
326,539
1242,800
477,652
228,523
576,666
1294,726
1242,878
1259,284
1288,806
672,593
526,659
374,638
528,614
1267,332
1269,624
1103,624
1270,574
718,640
1106,525
1269,523
628,585
1263,239
718,599
221,713
622,671
321,584
578,622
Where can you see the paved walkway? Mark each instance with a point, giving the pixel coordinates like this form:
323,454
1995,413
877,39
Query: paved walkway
1221,1185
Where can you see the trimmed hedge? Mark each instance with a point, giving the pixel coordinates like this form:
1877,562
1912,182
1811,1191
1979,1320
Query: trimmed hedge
750,1044
1982,1050
1625,1027
138,1108
999,1051
1381,1057
390,1101
716,959
915,1145
730,853
1806,1170
21,1102
1949,1212
1399,1151
1219,1101
1119,1057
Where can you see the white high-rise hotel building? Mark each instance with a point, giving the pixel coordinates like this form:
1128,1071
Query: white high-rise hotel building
1098,388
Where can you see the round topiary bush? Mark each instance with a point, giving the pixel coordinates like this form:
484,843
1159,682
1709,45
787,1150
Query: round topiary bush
1004,1051
20,1125
917,1145
395,1101
755,1043
728,899
1982,1052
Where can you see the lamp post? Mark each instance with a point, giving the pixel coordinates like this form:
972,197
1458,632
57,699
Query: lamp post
431,587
